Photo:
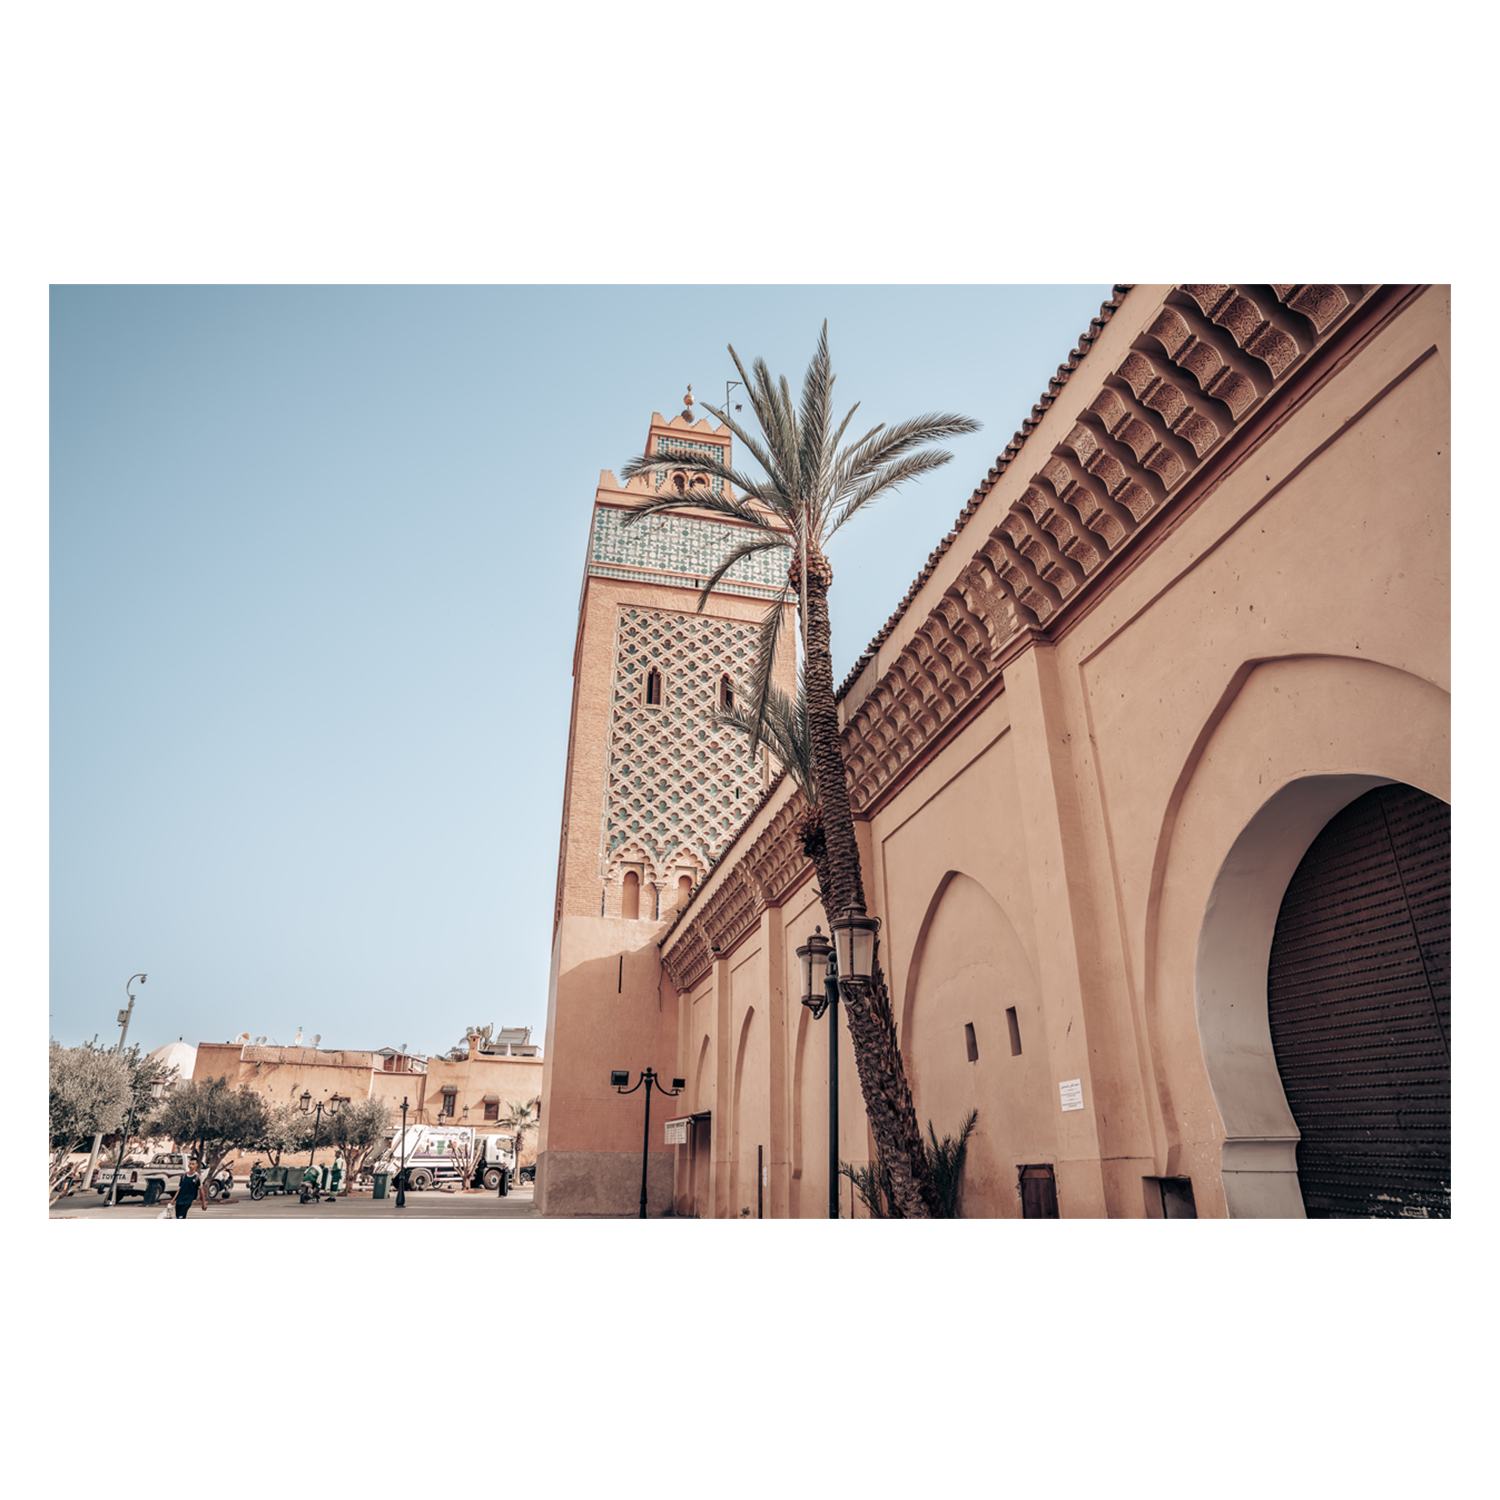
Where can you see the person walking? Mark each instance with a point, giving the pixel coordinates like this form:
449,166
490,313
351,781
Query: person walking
190,1186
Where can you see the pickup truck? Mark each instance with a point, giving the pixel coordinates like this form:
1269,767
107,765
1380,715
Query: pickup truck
151,1180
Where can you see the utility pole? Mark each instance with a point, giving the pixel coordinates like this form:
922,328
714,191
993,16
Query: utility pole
123,1022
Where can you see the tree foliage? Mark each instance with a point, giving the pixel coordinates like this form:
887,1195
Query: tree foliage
945,1164
522,1117
946,1158
286,1131
359,1130
210,1119
88,1094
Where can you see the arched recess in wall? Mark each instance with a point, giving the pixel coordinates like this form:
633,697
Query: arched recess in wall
630,897
699,1093
986,935
972,1035
738,1108
1291,743
799,1053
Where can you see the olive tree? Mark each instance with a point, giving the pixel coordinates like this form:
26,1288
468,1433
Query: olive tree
358,1131
210,1119
88,1094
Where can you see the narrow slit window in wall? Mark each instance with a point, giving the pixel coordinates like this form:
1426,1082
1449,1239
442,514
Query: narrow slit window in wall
1015,1031
970,1042
726,693
653,689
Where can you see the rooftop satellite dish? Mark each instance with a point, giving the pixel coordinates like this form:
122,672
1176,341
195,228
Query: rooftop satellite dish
403,1046
317,1037
260,1041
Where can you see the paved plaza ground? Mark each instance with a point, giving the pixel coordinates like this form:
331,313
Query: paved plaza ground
518,1204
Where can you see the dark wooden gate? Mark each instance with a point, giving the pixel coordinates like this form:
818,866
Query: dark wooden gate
1038,1193
1359,1006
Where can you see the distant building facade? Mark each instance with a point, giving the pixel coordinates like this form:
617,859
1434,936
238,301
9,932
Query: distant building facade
476,1086
1151,776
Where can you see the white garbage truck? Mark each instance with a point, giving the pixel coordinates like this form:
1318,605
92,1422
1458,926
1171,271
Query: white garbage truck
457,1154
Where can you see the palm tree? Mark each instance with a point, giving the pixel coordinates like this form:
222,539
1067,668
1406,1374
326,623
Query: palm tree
809,489
522,1117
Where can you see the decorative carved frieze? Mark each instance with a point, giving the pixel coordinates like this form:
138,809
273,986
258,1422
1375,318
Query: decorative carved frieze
762,876
1203,362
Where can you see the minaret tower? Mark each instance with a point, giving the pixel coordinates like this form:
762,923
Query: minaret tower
654,792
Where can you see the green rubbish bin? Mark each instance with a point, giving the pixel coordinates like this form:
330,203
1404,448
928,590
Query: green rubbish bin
381,1179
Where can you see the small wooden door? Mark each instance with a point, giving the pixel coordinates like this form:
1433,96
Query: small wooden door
1038,1193
698,1170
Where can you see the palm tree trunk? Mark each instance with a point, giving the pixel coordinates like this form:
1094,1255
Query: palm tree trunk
882,1075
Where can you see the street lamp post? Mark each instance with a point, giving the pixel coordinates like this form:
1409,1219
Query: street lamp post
820,992
618,1078
853,958
123,1022
308,1105
120,1160
401,1176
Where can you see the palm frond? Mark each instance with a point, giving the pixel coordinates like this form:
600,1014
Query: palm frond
706,464
946,1159
763,663
912,466
813,456
887,443
736,554
754,446
836,437
783,727
781,438
724,505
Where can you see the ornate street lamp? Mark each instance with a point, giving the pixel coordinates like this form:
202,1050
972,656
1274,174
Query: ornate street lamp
308,1104
618,1078
854,943
820,992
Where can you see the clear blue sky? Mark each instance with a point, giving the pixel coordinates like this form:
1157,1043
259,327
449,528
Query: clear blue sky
315,566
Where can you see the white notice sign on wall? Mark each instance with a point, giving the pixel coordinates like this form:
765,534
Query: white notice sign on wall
1072,1093
677,1132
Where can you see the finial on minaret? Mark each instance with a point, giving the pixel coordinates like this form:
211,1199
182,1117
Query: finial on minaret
687,405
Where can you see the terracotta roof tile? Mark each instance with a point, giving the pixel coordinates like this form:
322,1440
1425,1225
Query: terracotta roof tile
1054,386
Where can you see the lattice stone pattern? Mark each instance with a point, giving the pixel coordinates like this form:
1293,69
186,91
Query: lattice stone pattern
677,786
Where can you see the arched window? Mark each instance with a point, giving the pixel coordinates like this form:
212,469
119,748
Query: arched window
630,897
684,889
653,688
679,483
726,693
